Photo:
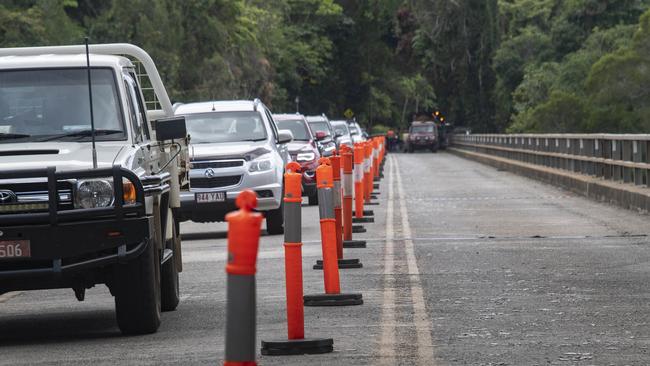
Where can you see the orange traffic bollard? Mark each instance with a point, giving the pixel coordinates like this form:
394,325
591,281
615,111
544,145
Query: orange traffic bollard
368,179
296,343
348,193
243,243
359,188
338,214
333,295
367,171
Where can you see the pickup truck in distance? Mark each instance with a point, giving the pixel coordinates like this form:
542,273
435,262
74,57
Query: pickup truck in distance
89,191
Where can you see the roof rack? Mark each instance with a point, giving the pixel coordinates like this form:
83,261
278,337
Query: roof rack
256,101
116,49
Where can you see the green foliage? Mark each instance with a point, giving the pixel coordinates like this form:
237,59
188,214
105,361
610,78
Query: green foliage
492,65
581,53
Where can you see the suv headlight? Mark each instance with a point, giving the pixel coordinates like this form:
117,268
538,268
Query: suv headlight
261,164
94,193
306,156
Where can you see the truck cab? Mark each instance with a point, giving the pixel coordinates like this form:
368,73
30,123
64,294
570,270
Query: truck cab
90,177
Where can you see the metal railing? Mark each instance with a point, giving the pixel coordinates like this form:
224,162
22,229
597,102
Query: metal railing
619,158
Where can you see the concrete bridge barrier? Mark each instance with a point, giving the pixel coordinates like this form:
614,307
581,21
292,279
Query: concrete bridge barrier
606,167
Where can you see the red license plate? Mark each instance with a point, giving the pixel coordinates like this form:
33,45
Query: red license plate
15,249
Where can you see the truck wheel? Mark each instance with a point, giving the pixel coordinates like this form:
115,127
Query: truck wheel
313,199
275,221
169,289
137,299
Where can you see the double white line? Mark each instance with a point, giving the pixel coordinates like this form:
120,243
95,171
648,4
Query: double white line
421,320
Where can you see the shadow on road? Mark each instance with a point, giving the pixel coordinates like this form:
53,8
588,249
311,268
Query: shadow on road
212,235
57,328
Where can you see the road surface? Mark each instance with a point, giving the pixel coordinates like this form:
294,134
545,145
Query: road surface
466,265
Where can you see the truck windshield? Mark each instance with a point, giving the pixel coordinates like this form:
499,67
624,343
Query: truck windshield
225,127
53,104
422,129
297,128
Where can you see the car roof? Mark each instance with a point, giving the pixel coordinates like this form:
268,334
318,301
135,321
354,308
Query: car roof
288,117
216,106
423,123
339,122
62,61
316,119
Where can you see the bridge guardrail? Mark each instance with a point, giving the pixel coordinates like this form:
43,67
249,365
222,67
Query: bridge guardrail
614,157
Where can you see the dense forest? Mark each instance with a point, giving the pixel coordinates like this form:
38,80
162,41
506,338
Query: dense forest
492,65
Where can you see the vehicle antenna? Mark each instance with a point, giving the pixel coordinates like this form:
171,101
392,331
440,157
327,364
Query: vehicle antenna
213,108
90,99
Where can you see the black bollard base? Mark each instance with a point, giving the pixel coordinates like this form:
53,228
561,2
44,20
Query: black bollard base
373,197
358,229
354,244
365,213
308,346
376,193
343,264
333,300
359,220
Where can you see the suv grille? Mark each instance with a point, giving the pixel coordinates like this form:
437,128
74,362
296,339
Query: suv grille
33,197
217,164
215,182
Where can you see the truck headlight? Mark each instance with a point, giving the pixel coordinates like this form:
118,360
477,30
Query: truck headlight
306,156
260,165
94,193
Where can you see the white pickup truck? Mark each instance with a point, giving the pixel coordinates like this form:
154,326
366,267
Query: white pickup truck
89,195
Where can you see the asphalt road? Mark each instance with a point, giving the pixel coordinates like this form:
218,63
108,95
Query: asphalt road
466,265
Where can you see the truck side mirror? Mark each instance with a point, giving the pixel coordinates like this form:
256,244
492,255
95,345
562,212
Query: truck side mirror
170,128
285,136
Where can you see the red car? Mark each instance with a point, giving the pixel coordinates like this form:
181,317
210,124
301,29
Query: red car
303,149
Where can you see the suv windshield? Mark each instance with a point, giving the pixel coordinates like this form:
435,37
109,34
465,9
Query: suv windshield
53,104
341,128
297,127
225,127
422,129
320,127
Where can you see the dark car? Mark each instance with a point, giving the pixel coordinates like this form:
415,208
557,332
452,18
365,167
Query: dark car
423,135
303,149
324,133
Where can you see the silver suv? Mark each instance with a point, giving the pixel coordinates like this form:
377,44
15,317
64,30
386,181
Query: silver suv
235,146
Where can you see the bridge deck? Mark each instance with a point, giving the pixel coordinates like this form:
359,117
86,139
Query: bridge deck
465,265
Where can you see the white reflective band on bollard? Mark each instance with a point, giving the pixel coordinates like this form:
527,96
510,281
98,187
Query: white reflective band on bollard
348,185
358,173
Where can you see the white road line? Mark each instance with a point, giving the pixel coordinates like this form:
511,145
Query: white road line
420,316
388,329
8,296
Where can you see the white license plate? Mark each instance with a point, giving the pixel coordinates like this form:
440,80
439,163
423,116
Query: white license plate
15,249
208,197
